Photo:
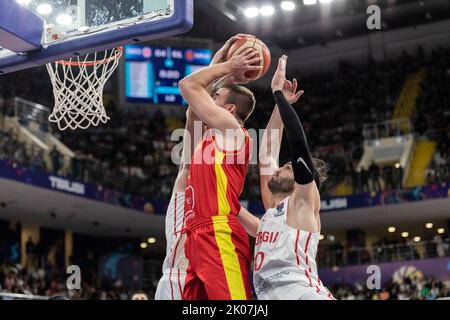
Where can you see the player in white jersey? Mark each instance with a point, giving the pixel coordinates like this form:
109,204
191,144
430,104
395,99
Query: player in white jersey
288,235
171,284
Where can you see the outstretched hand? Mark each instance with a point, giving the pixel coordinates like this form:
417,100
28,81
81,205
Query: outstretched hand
279,82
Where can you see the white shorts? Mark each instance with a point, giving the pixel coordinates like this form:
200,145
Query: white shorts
171,285
296,292
312,294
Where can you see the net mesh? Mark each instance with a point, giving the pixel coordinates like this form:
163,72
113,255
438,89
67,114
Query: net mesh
78,85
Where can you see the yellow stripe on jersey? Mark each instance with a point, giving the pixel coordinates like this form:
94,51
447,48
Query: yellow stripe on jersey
229,258
222,185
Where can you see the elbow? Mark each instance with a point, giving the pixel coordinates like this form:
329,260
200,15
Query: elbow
187,87
184,85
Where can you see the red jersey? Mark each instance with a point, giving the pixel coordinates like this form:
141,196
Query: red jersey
216,180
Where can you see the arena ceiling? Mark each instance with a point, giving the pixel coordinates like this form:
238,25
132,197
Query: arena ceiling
308,25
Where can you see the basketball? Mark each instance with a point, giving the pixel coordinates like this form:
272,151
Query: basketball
152,150
261,47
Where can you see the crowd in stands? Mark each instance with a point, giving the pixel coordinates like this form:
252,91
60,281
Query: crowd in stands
43,273
335,254
426,288
132,152
14,279
13,149
433,115
41,283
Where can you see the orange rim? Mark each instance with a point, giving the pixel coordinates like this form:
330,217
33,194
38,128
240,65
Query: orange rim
118,55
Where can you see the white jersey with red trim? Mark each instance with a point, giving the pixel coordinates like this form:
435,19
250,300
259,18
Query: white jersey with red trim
285,260
171,285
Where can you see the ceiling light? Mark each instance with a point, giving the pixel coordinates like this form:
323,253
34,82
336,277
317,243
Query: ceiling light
440,230
309,2
287,5
24,2
321,237
151,240
391,229
429,225
405,234
416,239
251,12
44,9
144,245
267,11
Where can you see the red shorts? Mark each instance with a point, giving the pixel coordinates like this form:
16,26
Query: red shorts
219,261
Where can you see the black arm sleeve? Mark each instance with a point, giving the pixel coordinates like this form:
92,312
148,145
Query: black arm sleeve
302,163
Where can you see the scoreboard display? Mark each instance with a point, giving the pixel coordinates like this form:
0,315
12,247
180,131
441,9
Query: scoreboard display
152,73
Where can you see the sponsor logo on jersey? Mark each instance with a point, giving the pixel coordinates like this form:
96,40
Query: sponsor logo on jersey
266,236
280,209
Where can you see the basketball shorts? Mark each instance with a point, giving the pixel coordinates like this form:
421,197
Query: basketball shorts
170,286
219,257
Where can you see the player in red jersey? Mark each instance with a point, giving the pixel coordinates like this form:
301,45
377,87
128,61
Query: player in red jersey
217,246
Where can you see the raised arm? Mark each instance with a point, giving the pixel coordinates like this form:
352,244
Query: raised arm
269,154
271,144
195,89
306,193
188,149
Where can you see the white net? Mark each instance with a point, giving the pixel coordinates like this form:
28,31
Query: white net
78,86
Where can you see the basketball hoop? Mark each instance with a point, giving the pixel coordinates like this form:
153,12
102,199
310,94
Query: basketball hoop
78,88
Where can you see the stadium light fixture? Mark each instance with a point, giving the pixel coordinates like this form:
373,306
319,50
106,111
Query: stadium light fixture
309,2
64,19
151,240
288,5
267,10
251,12
144,245
416,239
429,225
405,234
440,230
391,229
24,2
44,9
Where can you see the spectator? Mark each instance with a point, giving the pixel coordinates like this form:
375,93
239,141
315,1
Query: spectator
30,250
365,180
55,155
374,173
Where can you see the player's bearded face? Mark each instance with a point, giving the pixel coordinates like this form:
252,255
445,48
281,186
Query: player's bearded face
282,181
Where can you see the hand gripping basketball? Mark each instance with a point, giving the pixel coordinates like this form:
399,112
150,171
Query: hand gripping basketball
243,63
241,43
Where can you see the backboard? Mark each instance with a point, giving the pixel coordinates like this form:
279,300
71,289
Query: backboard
76,27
